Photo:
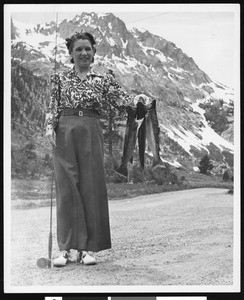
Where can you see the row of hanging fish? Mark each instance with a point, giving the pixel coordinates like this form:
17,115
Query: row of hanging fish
142,125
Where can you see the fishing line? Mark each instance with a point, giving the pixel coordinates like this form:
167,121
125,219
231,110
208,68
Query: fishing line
56,43
46,262
55,70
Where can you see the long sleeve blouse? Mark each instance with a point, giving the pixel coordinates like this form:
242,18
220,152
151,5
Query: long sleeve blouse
96,91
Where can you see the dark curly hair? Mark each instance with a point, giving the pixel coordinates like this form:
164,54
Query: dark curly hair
77,36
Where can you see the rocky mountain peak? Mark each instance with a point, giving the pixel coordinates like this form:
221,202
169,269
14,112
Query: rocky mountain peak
143,63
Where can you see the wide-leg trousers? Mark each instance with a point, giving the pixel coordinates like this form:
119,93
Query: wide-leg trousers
81,194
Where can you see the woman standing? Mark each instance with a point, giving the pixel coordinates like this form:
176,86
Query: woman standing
78,97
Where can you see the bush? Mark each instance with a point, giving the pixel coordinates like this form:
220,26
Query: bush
228,176
47,162
163,175
138,174
25,163
110,165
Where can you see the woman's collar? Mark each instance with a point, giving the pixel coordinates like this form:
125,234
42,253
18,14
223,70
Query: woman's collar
89,73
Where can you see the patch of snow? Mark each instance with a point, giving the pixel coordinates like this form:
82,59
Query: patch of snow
77,18
225,93
152,68
187,99
194,86
161,56
186,138
101,15
153,51
208,134
174,163
134,32
43,59
111,41
120,64
104,33
178,69
21,27
88,19
179,76
124,44
196,108
110,25
141,29
33,39
18,59
131,62
165,69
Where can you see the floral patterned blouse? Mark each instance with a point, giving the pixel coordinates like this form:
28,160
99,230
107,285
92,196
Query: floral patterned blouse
96,91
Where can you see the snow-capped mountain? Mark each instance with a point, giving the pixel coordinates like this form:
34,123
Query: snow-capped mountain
142,63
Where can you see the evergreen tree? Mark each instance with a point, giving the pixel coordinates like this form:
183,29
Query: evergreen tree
205,165
226,176
216,117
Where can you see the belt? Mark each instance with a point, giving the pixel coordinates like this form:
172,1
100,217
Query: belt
79,112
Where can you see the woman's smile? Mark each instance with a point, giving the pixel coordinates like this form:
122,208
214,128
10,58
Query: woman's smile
84,58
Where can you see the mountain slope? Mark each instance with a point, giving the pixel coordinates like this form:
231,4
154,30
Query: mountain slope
142,63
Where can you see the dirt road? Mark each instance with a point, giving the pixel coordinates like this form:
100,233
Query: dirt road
174,238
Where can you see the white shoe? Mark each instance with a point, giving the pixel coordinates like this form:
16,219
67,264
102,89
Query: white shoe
86,259
62,260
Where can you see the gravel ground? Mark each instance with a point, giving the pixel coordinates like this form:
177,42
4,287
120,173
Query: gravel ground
174,238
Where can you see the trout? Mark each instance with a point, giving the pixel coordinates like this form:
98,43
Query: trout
152,133
134,121
142,133
141,124
149,131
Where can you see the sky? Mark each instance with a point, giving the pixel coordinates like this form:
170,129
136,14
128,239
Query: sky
207,33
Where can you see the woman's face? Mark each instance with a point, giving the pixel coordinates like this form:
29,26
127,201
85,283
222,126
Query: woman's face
82,53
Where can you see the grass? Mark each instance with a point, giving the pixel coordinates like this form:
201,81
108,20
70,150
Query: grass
37,193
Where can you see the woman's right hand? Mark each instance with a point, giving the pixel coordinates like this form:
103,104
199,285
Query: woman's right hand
51,137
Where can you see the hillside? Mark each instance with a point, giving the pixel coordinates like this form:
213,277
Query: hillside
142,63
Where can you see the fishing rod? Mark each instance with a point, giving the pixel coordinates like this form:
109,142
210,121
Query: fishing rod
44,262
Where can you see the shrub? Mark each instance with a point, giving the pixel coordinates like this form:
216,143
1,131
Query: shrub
138,173
25,163
163,175
47,161
228,175
110,165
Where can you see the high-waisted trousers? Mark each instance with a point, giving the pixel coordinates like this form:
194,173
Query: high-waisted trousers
81,194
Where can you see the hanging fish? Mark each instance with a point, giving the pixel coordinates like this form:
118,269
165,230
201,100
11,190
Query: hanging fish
141,124
152,133
141,113
149,131
134,121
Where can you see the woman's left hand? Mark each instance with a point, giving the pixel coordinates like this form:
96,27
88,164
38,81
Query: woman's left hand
147,101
